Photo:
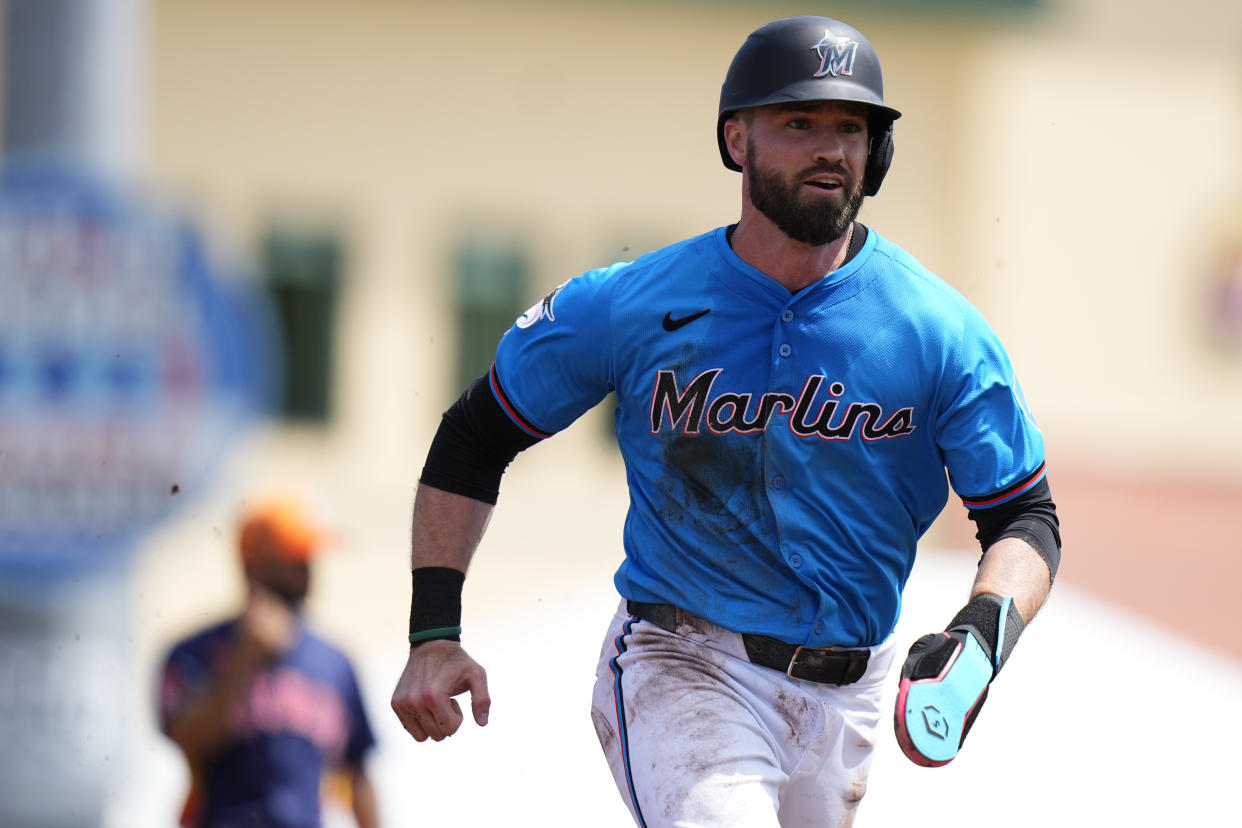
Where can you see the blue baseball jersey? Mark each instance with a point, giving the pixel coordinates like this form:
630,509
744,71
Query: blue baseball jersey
299,715
784,453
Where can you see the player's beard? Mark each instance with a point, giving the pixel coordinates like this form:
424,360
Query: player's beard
780,200
293,595
287,580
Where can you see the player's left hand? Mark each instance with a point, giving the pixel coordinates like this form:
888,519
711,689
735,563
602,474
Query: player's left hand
946,675
944,682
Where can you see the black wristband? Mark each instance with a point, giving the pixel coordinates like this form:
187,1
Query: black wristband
435,604
995,622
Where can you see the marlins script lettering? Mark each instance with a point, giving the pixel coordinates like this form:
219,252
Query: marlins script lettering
694,408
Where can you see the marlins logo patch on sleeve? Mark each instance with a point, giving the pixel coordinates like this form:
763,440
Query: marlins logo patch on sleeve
541,309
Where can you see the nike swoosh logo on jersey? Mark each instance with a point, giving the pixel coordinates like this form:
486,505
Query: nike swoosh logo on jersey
671,324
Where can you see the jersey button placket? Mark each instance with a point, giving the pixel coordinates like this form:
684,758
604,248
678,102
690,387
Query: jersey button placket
785,350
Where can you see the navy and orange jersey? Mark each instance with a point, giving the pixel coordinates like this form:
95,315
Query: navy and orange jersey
299,717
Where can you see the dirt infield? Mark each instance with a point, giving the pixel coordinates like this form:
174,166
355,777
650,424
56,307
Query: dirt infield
1169,548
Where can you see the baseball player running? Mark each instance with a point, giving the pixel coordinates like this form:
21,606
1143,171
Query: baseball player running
790,392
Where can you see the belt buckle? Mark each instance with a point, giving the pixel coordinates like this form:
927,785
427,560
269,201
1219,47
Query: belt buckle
793,662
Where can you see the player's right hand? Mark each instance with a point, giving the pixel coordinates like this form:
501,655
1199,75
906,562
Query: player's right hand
435,672
268,626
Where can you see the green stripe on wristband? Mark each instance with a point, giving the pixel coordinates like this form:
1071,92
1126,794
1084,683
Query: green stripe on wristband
431,635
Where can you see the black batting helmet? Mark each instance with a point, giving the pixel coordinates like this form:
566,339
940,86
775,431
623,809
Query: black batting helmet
809,58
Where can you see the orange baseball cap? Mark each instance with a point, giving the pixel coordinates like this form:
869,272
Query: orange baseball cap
280,527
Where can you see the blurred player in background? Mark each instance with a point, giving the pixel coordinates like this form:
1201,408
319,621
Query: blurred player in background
266,712
790,390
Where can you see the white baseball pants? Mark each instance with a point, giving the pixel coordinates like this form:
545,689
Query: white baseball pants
698,737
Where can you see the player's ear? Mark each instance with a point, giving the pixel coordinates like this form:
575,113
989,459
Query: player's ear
735,139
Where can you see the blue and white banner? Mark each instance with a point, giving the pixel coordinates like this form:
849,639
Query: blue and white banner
126,366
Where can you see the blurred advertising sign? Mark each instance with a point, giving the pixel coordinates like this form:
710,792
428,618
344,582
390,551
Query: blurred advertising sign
126,365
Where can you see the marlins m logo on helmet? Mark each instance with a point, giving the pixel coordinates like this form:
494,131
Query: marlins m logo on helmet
836,55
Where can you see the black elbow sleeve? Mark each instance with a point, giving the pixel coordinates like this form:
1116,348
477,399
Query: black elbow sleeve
1032,517
475,443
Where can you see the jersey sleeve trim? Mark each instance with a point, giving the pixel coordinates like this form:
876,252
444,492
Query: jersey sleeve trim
1023,485
474,445
1030,516
509,409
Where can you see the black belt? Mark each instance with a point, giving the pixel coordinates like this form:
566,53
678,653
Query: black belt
822,665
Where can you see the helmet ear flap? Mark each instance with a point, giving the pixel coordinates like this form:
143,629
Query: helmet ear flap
878,159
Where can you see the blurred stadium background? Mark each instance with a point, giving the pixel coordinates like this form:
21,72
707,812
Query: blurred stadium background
390,182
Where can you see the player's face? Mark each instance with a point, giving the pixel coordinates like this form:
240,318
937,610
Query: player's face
805,167
289,580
